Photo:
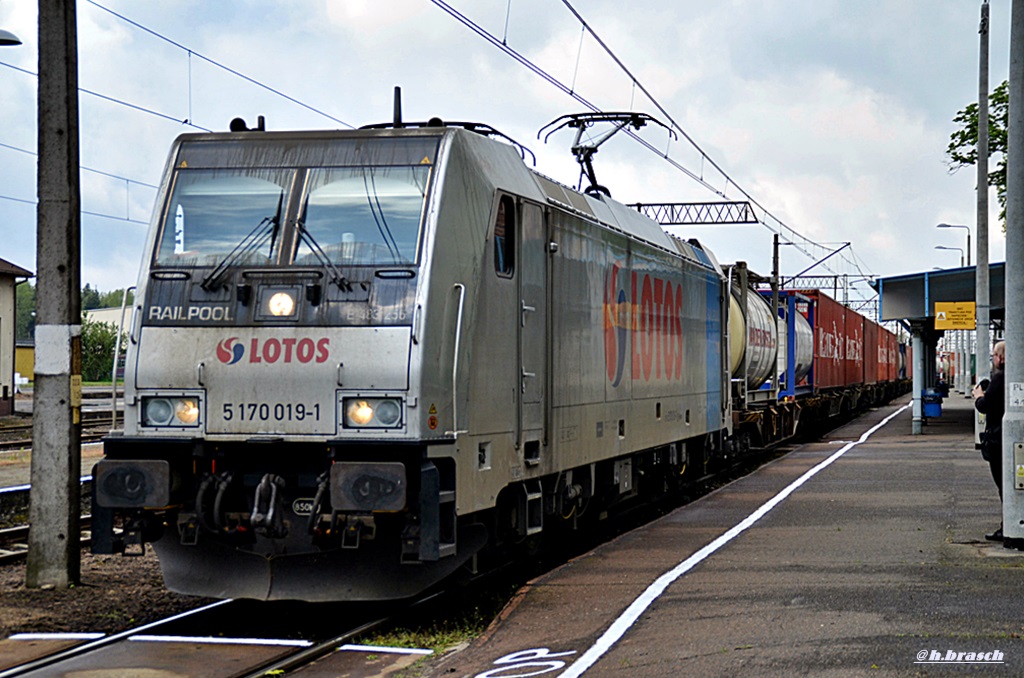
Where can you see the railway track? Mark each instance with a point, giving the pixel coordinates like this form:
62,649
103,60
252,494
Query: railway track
14,541
201,642
239,638
95,425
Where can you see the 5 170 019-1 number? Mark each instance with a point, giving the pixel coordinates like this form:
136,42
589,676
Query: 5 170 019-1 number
271,412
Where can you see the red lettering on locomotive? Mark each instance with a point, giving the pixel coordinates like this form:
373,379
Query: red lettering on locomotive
287,350
652,325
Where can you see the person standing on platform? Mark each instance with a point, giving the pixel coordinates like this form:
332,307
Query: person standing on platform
991,401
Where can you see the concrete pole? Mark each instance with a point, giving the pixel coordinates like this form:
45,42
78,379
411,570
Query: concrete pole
960,361
981,276
1013,421
54,552
918,380
967,363
966,335
956,378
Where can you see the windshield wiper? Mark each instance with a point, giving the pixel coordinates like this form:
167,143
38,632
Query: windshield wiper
257,237
382,224
307,237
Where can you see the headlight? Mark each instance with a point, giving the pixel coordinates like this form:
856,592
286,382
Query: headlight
174,411
278,302
281,304
187,412
372,412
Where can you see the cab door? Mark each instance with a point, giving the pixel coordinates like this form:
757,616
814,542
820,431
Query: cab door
533,331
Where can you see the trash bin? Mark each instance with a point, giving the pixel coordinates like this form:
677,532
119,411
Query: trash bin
932,401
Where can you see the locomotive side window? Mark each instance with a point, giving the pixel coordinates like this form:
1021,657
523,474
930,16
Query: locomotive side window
211,212
505,237
363,215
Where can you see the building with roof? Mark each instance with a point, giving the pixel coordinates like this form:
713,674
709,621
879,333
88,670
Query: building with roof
9,274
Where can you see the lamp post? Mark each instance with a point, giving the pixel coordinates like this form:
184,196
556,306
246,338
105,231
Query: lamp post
966,228
958,249
8,39
967,352
958,340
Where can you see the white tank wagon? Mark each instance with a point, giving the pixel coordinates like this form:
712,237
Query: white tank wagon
760,352
754,340
802,348
358,358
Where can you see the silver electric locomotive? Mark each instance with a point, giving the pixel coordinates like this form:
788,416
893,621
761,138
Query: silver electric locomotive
358,358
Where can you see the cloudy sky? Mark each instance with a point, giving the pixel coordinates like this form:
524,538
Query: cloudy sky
832,115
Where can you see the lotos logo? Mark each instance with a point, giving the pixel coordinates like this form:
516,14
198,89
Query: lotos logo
275,350
228,352
646,325
615,326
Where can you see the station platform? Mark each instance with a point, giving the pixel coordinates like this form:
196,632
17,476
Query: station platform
875,565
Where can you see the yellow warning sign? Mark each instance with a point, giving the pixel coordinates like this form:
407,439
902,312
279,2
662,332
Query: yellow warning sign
954,315
433,409
183,165
425,161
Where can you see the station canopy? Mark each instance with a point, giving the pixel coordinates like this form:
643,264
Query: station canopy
913,297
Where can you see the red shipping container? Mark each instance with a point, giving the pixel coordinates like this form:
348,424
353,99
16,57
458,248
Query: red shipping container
828,320
874,353
889,355
853,356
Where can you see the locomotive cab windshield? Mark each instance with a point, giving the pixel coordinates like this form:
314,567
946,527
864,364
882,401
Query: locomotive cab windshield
367,215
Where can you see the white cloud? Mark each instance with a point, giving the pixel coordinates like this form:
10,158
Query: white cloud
833,115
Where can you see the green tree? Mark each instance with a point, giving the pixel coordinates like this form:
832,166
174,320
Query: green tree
113,299
25,321
25,325
90,298
963,143
98,340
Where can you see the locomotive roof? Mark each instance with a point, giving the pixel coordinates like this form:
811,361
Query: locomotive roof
618,217
607,212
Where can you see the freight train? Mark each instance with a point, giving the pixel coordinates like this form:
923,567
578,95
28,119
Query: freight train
358,361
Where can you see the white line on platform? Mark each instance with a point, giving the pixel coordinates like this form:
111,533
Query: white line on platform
640,605
56,636
210,640
383,650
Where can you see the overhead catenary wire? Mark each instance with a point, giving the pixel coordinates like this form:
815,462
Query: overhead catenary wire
187,121
117,177
115,100
83,167
213,62
793,237
704,156
101,215
785,230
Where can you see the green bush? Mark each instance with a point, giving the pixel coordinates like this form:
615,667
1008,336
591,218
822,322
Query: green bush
98,340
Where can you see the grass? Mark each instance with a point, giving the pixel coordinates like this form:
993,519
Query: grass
464,622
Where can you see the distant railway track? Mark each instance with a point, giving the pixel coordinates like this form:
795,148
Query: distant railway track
14,504
18,436
14,541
